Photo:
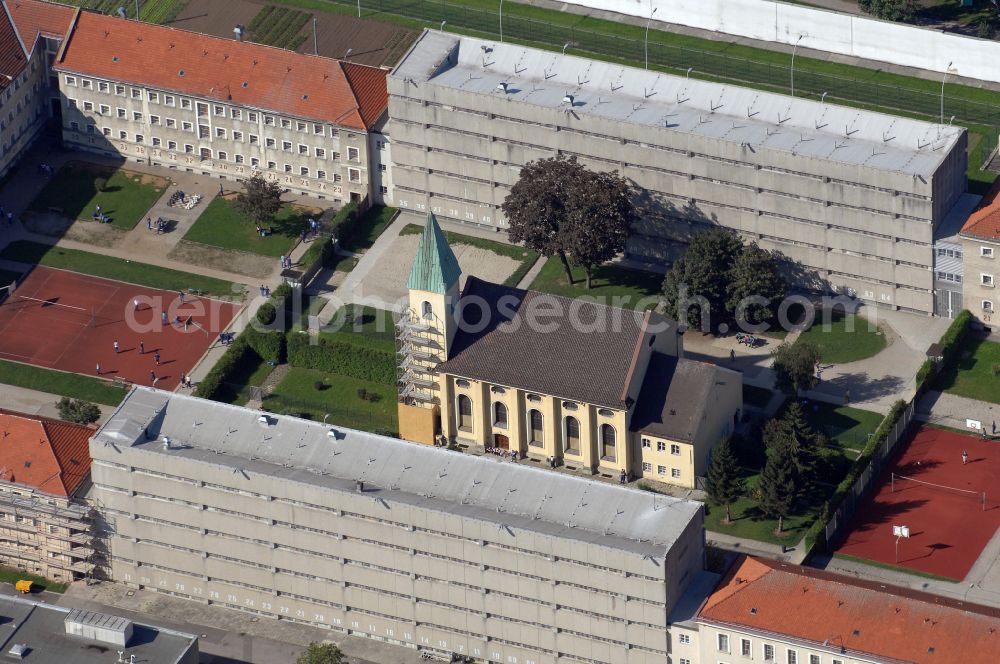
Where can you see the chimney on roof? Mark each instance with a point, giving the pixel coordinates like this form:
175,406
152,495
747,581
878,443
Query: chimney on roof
360,486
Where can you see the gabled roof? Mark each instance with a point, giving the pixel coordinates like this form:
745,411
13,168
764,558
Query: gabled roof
49,455
675,395
33,18
12,56
304,86
435,268
984,222
586,356
849,616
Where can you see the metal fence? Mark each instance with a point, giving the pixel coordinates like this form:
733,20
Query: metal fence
662,54
840,518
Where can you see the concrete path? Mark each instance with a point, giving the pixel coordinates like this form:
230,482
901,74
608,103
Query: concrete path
144,242
792,553
952,411
33,402
530,275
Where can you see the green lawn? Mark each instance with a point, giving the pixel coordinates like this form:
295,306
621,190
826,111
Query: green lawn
250,374
845,427
848,338
61,383
297,395
12,576
750,523
120,269
526,257
972,376
612,284
376,326
220,225
371,225
125,198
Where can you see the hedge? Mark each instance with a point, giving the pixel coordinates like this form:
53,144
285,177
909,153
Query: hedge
238,353
859,465
266,314
951,342
268,344
345,222
340,357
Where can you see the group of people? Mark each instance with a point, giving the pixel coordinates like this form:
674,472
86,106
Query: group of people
286,262
98,215
265,291
161,224
502,453
747,339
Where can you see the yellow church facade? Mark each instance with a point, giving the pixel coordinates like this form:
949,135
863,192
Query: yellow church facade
599,389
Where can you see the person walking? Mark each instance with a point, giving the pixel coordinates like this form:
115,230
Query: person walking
181,294
142,348
149,223
965,457
117,348
622,477
282,261
152,377
163,317
135,304
156,358
98,368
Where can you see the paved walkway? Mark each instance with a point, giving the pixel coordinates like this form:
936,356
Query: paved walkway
33,402
952,411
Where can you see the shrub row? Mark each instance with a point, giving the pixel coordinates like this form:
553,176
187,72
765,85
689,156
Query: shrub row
951,342
340,357
269,345
815,532
235,358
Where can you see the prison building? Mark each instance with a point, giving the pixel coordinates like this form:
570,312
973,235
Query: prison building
224,108
853,196
416,545
30,35
46,526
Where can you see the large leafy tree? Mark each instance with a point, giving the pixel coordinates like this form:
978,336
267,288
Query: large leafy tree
755,274
780,482
560,208
78,411
724,483
321,653
889,10
260,200
795,366
704,271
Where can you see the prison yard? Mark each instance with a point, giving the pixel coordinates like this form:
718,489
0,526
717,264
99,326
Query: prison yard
976,374
221,225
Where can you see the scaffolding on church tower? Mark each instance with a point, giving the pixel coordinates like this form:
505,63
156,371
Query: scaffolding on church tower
420,346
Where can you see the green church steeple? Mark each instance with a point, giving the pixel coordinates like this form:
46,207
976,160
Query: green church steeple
435,268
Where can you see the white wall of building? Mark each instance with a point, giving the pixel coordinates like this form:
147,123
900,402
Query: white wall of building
823,30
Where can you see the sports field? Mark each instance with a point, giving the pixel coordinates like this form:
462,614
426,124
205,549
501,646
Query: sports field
68,321
950,505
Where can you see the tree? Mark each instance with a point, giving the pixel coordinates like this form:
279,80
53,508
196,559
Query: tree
756,273
78,411
560,208
780,484
794,433
321,653
889,10
600,214
260,200
705,272
795,365
724,483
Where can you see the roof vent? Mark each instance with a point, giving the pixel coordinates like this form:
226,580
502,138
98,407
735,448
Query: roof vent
180,73
856,632
753,610
18,650
360,486
166,442
568,99
246,84
502,87
114,58
305,97
931,650
266,421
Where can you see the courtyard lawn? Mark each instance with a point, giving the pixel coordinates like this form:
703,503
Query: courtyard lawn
12,576
526,257
61,383
847,338
612,284
750,523
368,326
85,262
368,229
846,428
125,198
338,397
976,374
220,225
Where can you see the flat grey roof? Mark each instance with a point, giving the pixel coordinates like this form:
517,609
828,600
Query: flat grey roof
514,495
749,118
41,628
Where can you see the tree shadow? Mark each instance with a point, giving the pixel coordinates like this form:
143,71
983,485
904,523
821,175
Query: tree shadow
862,388
876,514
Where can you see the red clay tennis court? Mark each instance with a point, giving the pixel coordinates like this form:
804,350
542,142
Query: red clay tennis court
951,508
68,321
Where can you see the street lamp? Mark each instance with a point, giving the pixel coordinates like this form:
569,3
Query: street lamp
348,53
501,21
646,40
442,25
688,74
793,62
567,45
947,71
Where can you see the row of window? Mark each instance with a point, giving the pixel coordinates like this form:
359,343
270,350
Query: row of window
660,470
768,651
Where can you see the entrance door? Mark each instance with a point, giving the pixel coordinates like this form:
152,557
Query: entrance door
501,441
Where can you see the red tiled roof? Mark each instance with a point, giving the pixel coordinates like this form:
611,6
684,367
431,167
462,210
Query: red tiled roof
305,86
12,57
883,621
984,222
33,17
50,455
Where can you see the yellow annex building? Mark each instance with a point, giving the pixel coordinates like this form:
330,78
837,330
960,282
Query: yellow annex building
570,382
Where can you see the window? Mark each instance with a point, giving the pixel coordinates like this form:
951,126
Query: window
536,435
254,161
814,659
251,116
986,280
271,165
354,175
380,145
286,146
684,639
105,110
187,126
168,100
188,148
88,106
254,139
986,252
220,132
219,110
381,168
303,149
123,135
303,171
136,93
647,467
384,189
353,154
286,123
269,142
572,435
464,413
71,80
608,442
222,155
685,661
660,446
988,306
154,97
235,113
301,126
675,449
288,168
768,652
171,122
185,103
156,142
138,138
661,470
646,443
318,129
106,131
320,153
269,120
793,656
154,119
75,126
87,84
238,158
171,145
745,648
723,642
675,473
237,135
337,177
334,133
121,112
321,175
499,415
103,87
120,90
